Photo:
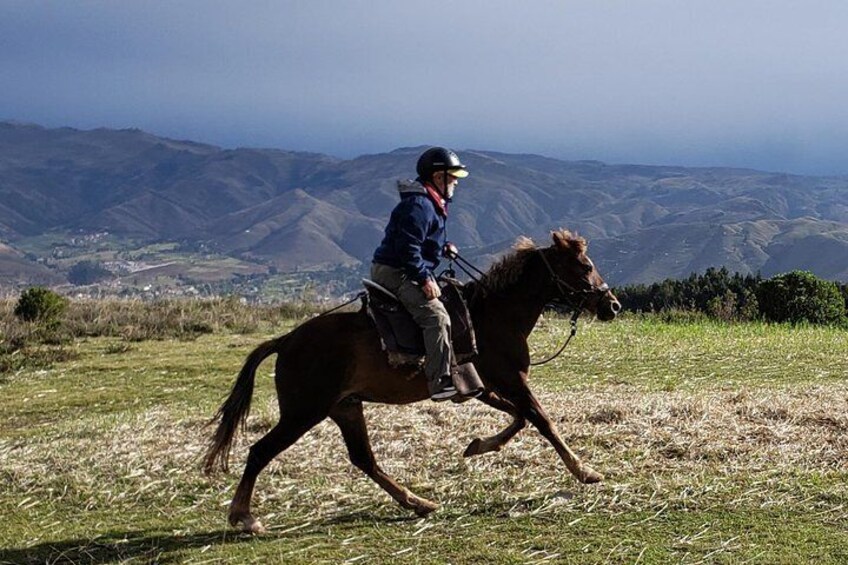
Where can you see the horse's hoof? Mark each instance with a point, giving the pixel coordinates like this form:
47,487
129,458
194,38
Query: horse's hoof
252,526
473,448
590,476
247,524
424,508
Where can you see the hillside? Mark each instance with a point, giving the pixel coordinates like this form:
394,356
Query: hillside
267,210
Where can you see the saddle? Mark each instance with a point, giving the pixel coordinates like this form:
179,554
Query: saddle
403,339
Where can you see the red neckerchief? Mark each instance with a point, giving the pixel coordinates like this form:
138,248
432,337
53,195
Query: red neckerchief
437,199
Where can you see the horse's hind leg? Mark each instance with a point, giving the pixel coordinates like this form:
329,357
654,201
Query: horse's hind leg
348,415
479,446
287,431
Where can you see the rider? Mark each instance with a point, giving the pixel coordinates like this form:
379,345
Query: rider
406,259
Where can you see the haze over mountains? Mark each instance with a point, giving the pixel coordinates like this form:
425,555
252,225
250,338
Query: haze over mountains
269,208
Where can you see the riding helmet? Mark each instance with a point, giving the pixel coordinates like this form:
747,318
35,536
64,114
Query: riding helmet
439,159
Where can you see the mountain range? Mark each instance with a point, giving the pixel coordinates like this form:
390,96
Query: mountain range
270,209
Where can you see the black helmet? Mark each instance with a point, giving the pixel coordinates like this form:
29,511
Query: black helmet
439,159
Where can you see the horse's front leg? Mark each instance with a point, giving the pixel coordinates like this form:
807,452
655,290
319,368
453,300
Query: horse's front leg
528,406
496,442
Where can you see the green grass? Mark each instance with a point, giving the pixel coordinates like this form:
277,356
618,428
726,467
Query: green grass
720,443
651,355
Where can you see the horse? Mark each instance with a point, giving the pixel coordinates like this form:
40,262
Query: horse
331,364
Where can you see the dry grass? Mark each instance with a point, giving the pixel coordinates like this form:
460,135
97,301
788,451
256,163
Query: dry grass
31,345
137,320
661,452
667,439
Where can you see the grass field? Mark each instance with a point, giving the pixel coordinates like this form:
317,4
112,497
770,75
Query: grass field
720,444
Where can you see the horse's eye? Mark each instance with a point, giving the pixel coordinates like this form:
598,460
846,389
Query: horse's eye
588,268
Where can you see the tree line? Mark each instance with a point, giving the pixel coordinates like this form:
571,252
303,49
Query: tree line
794,297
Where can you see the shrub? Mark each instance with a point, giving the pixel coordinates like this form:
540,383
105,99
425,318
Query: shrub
731,307
33,334
40,305
723,307
800,296
748,307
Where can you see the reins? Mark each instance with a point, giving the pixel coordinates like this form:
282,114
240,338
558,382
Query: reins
574,317
568,294
464,264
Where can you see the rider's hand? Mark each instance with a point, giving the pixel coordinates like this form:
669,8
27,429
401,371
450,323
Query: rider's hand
450,250
431,289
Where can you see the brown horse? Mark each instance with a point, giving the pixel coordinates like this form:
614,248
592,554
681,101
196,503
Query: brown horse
331,364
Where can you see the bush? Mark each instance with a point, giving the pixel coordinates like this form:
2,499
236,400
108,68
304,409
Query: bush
722,307
800,296
40,305
32,335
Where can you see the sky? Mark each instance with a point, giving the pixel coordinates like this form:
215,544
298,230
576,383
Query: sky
745,83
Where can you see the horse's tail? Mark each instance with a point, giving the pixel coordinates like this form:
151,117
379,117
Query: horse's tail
233,412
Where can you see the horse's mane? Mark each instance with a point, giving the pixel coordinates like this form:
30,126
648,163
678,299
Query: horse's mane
506,271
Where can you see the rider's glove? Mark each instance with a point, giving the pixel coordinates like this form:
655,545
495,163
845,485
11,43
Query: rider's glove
450,250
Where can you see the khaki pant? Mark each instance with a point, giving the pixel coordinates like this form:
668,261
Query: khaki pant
430,315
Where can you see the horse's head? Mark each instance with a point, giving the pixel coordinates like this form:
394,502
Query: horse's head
578,283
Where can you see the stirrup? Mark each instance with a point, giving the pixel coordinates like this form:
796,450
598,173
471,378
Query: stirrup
460,398
446,393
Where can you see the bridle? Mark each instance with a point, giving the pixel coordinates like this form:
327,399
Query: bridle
571,299
569,296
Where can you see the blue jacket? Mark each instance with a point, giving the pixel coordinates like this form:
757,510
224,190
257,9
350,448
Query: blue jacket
415,235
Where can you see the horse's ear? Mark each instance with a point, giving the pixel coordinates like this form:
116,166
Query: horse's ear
560,240
567,241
